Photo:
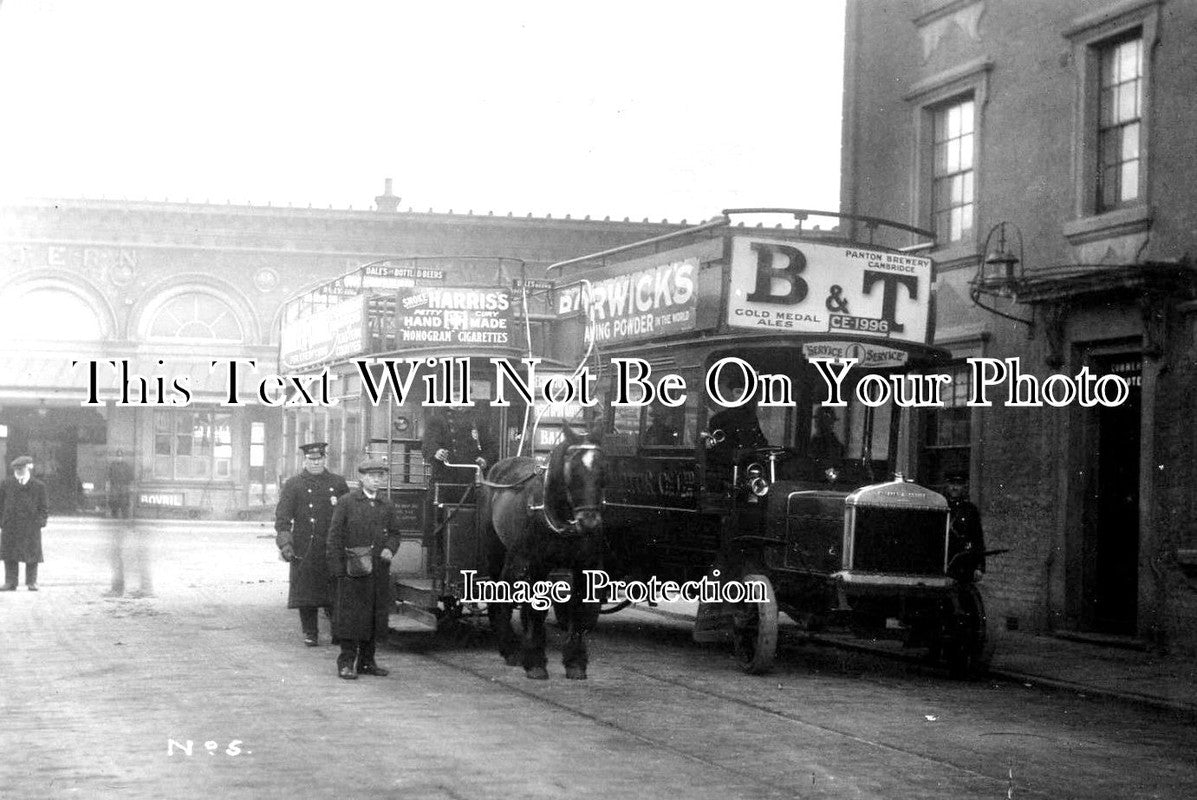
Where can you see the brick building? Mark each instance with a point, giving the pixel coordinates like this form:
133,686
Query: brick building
1049,146
165,288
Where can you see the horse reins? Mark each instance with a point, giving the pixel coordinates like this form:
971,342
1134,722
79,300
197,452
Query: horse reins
568,527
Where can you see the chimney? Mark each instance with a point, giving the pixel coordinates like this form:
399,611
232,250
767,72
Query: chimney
387,201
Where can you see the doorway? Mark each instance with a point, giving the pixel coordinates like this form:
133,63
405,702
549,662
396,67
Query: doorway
1110,551
67,447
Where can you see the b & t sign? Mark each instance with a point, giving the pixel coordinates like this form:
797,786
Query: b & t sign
799,287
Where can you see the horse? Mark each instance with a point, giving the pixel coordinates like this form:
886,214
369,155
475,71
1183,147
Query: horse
536,520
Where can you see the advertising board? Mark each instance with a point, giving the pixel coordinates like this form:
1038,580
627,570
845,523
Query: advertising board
800,287
328,334
644,303
445,316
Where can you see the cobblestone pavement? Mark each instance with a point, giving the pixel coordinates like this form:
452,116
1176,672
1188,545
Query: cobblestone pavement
205,690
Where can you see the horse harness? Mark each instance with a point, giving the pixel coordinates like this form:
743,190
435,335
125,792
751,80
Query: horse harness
564,528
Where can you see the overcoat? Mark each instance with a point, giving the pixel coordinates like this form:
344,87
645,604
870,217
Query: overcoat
966,537
301,519
740,427
23,513
362,606
465,439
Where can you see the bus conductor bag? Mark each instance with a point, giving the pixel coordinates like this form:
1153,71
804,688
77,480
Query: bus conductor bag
359,561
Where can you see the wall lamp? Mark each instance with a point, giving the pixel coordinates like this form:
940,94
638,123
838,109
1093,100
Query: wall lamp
1000,271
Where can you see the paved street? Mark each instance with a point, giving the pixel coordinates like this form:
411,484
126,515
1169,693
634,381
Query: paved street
101,696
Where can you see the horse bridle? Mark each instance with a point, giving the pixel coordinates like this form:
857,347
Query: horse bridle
570,527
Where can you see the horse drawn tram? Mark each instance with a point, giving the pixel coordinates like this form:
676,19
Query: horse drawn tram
818,342
408,319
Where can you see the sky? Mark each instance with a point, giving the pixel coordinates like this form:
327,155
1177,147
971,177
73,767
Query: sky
650,109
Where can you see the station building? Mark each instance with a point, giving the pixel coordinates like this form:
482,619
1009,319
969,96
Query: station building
152,293
1049,146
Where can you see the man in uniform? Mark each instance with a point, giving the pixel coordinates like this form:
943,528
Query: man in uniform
301,520
362,540
453,435
966,548
23,513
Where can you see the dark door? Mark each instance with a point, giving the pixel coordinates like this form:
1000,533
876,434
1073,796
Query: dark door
1112,516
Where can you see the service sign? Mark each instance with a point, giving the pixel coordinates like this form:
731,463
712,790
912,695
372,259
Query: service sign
329,334
642,304
867,354
800,287
435,317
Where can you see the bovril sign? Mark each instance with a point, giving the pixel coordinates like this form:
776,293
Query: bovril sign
869,356
791,286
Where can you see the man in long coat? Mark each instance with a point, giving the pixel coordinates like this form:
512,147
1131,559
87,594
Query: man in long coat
966,547
366,520
301,520
23,513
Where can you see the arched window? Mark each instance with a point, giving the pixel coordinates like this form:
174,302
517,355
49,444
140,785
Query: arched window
195,315
49,312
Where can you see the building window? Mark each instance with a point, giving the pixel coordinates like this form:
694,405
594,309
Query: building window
953,145
196,315
947,432
1120,115
193,445
949,119
23,315
1112,49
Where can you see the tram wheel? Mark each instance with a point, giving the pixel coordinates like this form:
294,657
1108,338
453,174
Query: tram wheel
754,630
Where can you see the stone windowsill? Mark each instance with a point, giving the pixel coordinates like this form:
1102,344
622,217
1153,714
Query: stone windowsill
1120,222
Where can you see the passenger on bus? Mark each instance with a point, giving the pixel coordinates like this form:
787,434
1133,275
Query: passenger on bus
663,428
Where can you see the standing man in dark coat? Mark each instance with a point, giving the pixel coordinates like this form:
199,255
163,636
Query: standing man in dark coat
365,522
23,513
966,547
301,520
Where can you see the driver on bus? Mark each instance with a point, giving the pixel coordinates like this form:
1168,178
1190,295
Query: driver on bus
739,425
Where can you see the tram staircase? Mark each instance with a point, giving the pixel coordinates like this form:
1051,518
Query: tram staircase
427,592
